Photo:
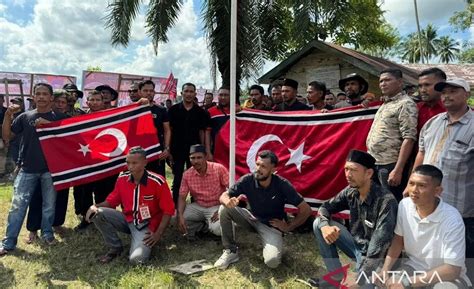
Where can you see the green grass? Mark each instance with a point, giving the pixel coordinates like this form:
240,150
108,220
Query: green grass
72,262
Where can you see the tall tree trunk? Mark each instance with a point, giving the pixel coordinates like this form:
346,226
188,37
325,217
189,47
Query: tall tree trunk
419,32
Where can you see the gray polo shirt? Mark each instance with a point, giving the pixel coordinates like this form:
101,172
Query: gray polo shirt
450,147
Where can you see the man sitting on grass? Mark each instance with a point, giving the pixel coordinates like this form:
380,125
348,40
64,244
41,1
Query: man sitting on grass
267,195
373,211
205,181
147,207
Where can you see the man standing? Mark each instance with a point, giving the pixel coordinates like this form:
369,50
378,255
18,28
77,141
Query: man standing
34,169
188,124
330,99
431,103
267,195
147,208
447,142
72,97
205,181
393,133
219,115
208,101
354,86
315,95
108,94
289,91
162,125
373,211
133,92
168,104
431,233
277,98
33,220
256,96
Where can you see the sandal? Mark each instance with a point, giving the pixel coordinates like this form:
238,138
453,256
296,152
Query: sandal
3,251
109,256
32,237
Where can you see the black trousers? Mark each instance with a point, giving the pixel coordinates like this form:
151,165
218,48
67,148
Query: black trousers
158,167
180,159
34,217
469,224
381,177
93,193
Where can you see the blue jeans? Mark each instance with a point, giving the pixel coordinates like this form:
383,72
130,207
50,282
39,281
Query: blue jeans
23,188
345,243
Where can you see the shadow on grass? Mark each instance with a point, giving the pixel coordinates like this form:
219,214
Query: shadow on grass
7,278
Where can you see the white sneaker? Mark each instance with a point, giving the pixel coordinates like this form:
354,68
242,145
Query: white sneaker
227,258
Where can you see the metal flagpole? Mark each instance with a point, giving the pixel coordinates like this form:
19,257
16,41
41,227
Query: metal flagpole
233,88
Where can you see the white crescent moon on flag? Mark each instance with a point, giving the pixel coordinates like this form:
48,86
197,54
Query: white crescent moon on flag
255,147
121,139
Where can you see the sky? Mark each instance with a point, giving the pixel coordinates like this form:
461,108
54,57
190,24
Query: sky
67,36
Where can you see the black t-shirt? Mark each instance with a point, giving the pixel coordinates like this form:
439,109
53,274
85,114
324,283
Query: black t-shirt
296,105
160,115
266,203
31,153
185,125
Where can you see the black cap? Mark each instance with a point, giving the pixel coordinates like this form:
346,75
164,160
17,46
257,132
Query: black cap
197,148
361,158
354,76
71,87
17,100
107,87
291,83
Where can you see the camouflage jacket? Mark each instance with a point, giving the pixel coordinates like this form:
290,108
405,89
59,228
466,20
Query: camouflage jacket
395,121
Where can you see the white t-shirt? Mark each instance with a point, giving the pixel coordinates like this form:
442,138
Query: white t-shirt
433,241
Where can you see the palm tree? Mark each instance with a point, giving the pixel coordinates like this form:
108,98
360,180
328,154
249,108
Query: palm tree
410,48
447,49
429,40
267,29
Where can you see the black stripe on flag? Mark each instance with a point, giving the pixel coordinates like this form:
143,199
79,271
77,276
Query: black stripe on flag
92,123
305,118
85,171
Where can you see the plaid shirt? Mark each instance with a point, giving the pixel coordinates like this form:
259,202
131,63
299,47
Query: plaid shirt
372,221
205,189
450,147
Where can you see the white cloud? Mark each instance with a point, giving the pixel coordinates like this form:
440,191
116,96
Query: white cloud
19,3
65,36
185,54
401,13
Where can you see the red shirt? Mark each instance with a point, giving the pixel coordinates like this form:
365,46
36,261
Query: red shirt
152,192
425,112
205,189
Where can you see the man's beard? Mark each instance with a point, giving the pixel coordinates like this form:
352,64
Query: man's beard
353,96
260,177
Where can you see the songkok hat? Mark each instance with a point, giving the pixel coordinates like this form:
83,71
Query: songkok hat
291,83
361,158
197,148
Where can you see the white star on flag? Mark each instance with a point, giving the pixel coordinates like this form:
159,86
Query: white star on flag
84,149
297,157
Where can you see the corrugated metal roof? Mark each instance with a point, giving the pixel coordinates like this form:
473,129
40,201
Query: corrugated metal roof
371,64
465,71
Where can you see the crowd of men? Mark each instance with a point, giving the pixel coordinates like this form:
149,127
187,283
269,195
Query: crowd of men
409,196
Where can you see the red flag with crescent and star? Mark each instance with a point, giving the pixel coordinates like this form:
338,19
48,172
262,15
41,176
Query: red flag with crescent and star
93,146
311,146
